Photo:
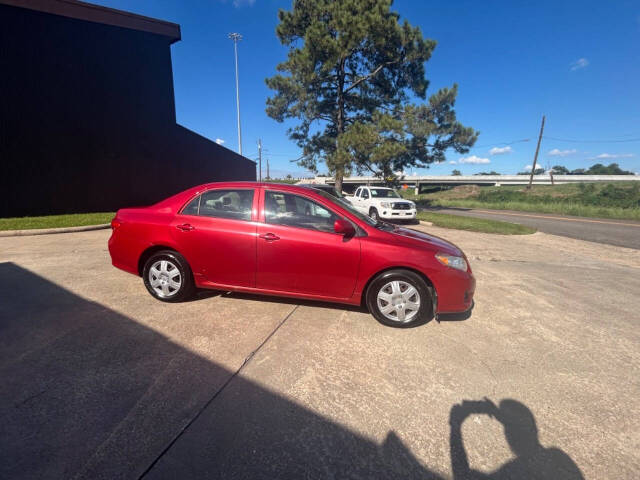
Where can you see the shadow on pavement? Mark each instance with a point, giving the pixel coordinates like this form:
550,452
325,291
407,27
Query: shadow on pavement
90,393
532,460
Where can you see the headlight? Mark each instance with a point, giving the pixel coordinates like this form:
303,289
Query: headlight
413,205
385,204
450,261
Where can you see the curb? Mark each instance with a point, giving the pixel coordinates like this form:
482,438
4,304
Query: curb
47,231
426,224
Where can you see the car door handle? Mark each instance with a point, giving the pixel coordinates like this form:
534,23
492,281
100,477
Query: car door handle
185,227
269,237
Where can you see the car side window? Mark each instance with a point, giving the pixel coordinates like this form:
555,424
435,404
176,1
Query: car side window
365,193
232,204
357,194
296,211
193,206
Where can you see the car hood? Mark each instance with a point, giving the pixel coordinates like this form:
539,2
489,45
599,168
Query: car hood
425,240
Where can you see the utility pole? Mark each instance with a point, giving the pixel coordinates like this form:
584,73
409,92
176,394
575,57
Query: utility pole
259,160
236,37
268,177
535,158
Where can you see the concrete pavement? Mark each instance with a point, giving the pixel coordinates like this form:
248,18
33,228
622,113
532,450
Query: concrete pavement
622,233
102,381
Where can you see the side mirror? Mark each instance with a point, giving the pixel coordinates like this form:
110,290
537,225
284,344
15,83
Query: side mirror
343,227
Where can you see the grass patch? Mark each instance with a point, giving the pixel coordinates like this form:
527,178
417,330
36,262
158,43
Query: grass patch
56,221
608,200
474,224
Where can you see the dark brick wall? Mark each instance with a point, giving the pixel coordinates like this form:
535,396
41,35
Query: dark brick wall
87,119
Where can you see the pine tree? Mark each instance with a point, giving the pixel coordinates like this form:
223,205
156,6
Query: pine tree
351,73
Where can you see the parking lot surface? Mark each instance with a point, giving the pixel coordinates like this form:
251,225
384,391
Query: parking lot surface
100,380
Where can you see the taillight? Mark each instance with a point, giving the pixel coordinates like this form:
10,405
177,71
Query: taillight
115,223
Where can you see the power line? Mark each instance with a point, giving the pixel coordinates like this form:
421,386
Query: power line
592,141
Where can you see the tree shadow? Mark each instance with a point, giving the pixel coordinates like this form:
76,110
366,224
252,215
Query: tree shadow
91,393
532,460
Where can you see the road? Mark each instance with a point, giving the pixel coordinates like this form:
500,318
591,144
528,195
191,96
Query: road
622,233
99,380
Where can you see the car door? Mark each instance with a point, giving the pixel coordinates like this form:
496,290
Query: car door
216,233
364,201
299,252
358,199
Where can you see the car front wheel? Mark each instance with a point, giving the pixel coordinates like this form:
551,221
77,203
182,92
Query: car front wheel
373,213
400,298
167,276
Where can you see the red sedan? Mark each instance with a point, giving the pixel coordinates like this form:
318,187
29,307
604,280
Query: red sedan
284,240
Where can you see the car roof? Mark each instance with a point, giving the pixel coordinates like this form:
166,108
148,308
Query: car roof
279,186
314,185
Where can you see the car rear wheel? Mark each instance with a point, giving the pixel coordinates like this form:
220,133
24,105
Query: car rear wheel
400,298
167,276
373,213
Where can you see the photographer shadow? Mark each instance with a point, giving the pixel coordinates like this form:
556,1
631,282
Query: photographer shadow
532,460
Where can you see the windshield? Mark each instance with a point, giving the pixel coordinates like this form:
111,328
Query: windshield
331,191
383,193
347,206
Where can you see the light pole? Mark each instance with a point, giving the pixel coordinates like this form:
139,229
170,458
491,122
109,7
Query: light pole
236,37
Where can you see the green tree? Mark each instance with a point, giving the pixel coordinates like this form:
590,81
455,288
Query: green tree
351,71
560,170
611,169
456,173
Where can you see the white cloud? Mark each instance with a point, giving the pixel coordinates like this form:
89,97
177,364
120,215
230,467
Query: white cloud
561,153
527,168
615,155
578,64
500,150
453,162
219,141
474,159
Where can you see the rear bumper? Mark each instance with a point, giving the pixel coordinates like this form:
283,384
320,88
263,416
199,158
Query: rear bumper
119,257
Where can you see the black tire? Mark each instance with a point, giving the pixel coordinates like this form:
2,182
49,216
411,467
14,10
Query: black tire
373,213
425,310
178,262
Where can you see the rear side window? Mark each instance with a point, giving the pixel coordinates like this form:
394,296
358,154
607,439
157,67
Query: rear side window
232,204
365,193
192,208
296,211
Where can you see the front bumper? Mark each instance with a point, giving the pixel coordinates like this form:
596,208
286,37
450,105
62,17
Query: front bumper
455,292
389,214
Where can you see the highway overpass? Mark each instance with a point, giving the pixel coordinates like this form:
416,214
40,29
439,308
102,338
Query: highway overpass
351,183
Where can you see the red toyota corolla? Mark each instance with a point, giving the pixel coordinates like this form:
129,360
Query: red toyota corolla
289,241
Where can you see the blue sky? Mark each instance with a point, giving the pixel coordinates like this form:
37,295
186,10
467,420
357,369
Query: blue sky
577,62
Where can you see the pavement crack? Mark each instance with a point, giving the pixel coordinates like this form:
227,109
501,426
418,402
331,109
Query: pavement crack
28,399
217,393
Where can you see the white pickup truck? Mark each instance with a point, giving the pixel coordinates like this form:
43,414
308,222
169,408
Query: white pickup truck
383,203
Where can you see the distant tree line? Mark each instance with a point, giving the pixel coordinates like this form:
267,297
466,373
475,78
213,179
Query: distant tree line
597,169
